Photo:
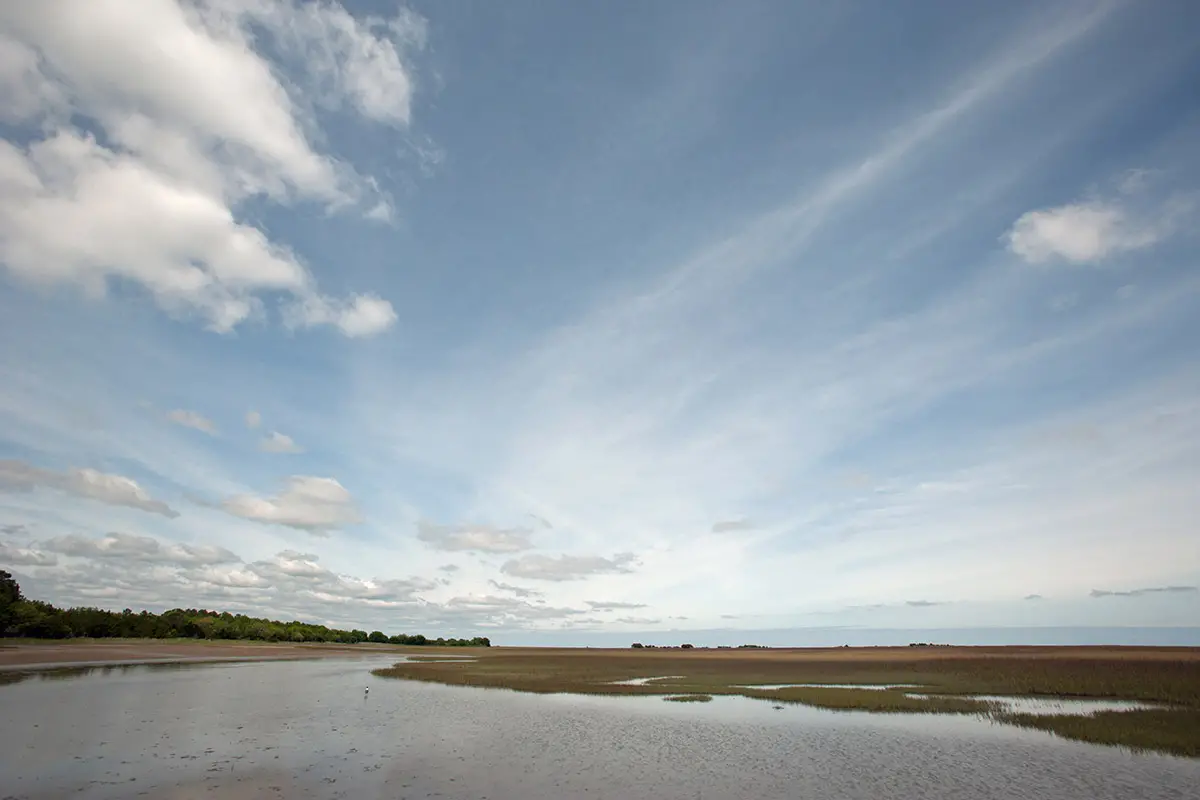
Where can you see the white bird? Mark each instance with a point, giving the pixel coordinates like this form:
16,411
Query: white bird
367,690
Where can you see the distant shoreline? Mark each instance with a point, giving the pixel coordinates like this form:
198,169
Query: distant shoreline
24,654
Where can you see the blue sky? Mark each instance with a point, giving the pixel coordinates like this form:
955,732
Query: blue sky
573,320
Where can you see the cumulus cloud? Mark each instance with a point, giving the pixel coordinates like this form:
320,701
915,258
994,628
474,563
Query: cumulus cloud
290,585
278,442
116,490
477,538
519,591
191,419
139,548
346,60
565,567
312,504
1079,233
253,419
726,526
184,137
25,557
1143,592
613,605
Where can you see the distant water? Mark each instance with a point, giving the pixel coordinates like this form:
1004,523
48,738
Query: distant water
866,637
308,730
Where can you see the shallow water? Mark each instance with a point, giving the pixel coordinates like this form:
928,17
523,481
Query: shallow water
1047,706
644,681
305,729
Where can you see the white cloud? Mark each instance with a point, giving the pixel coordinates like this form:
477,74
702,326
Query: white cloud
363,315
253,419
116,490
195,121
278,442
25,557
1079,233
478,538
345,59
565,567
139,548
312,504
191,419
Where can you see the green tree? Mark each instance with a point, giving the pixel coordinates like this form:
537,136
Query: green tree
378,637
10,595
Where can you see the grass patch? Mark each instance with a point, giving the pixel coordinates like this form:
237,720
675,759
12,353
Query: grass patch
688,698
1174,731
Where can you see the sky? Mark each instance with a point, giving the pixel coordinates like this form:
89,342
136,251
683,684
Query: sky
588,321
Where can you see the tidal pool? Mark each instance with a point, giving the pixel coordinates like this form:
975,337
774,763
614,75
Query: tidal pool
306,729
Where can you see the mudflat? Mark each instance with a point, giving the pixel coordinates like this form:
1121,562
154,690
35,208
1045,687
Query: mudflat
88,651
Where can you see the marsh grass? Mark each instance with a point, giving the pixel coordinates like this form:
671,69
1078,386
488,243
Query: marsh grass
688,698
1175,731
947,677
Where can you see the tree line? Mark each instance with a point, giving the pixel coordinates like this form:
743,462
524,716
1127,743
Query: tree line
35,619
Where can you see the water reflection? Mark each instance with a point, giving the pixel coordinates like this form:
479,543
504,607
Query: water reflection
305,729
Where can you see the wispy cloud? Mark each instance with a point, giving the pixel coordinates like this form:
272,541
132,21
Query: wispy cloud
613,605
192,419
519,591
726,526
477,538
277,442
566,567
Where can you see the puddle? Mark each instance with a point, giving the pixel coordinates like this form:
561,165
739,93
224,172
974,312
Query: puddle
1045,706
873,687
645,681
